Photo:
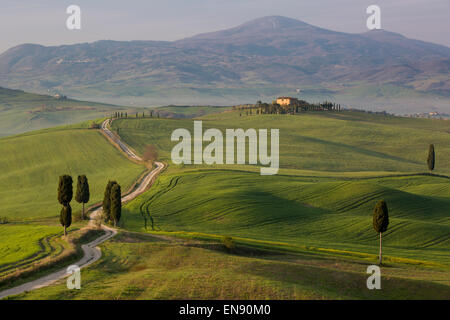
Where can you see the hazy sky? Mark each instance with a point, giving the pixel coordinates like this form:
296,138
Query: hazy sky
44,21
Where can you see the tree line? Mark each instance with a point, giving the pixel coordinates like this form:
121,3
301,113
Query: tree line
275,108
151,114
112,203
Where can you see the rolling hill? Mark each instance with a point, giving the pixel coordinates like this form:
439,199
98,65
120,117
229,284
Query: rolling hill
22,111
141,267
261,58
335,166
329,141
305,233
31,164
295,211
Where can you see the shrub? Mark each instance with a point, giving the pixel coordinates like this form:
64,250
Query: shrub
94,126
229,243
4,220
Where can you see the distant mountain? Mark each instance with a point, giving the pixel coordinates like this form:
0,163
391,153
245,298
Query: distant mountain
263,57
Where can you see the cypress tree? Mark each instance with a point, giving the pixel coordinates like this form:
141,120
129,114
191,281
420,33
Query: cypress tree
431,157
380,220
107,201
65,194
65,217
83,194
116,203
65,190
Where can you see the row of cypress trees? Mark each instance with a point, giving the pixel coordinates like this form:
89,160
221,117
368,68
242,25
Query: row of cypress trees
65,194
125,114
112,202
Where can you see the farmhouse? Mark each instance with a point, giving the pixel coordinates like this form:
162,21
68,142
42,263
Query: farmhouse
287,101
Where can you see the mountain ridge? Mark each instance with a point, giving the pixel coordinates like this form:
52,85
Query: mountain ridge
270,52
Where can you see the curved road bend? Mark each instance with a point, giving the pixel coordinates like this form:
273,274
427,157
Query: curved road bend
91,253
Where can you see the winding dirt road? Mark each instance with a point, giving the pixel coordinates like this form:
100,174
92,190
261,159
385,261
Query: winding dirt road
91,251
119,142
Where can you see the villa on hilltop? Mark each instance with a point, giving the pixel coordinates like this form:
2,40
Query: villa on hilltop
287,101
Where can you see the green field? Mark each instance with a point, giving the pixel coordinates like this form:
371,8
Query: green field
22,111
335,167
314,215
302,211
19,242
339,142
30,167
189,111
31,164
139,267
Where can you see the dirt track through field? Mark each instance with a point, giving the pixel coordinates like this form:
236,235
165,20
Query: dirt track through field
91,251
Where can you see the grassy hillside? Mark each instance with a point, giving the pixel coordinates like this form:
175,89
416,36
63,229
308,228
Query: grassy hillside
21,111
344,141
188,111
335,167
17,242
301,211
31,164
138,267
315,215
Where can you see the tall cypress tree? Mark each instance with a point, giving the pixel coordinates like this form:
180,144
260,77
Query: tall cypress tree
107,201
65,217
65,194
65,190
82,195
431,157
380,220
116,203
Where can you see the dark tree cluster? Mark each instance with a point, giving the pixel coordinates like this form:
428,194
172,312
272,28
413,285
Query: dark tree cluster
112,203
65,195
297,107
151,114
